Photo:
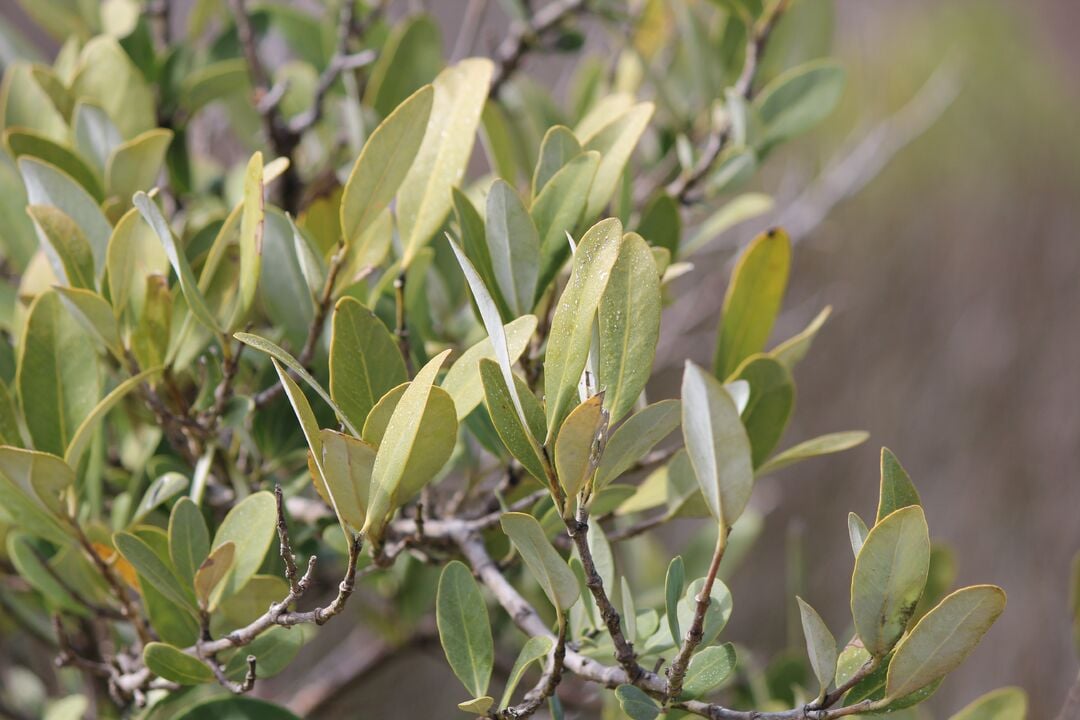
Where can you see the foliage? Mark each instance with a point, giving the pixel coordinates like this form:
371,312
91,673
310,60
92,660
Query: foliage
345,328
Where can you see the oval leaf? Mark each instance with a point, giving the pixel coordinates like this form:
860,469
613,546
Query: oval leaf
464,628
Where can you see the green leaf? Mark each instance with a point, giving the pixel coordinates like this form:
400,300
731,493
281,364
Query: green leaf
708,668
943,638
794,349
365,362
188,285
463,380
107,76
897,490
772,396
661,224
513,246
251,525
464,628
736,211
347,464
477,706
19,482
165,487
546,565
153,570
379,417
9,424
211,573
189,539
798,100
383,163
674,583
536,648
635,437
85,432
615,142
557,210
134,253
629,324
636,704
34,569
890,573
752,300
815,447
56,376
29,143
252,226
424,195
274,651
236,708
519,437
857,532
176,665
557,149
1008,703
214,81
716,617
409,58
577,448
572,324
276,352
820,646
135,165
424,429
717,444
65,246
95,314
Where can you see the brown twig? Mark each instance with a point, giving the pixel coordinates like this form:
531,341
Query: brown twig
525,36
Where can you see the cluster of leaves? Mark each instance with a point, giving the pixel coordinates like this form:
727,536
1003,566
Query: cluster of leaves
445,368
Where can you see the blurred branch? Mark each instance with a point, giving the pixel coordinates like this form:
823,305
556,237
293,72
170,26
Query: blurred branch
524,36
1071,709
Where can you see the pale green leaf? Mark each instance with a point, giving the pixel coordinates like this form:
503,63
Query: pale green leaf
772,397
365,362
536,648
211,573
820,646
477,706
19,485
176,665
708,668
815,447
674,583
134,253
857,532
519,437
95,135
189,539
164,487
578,446
544,563
65,246
615,142
636,704
252,227
84,433
95,315
557,149
347,463
410,58
251,525
558,209
635,437
463,380
153,569
798,100
464,628
135,165
513,246
107,76
897,490
1008,703
34,568
791,351
29,143
736,211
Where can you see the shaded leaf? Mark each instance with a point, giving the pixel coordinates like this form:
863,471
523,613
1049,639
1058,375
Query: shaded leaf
708,668
463,380
544,563
347,463
520,438
636,704
897,490
513,246
536,648
820,646
635,437
176,665
251,525
464,628
153,570
189,539
772,397
365,362
615,142
814,447
211,573
83,434
557,210
558,147
577,448
1008,703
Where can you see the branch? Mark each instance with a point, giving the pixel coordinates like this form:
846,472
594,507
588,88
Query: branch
524,36
548,683
1071,708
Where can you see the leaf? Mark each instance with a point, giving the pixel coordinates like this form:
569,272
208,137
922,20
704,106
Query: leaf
463,380
572,323
1008,703
274,651
629,323
518,437
557,210
897,490
615,142
794,349
708,668
251,525
536,648
815,447
820,646
772,397
943,638
35,570
410,57
424,429
29,143
716,617
252,226
379,417
736,211
283,287
577,448
857,532
635,437
276,352
798,100
84,433
134,253
383,163
153,570
365,362
194,297
189,539
65,246
424,195
160,491
477,706
752,300
661,224
106,75
464,628
9,424
211,573
176,665
95,135
890,573
544,563
717,444
347,463
513,246
235,708
135,165
56,376
674,583
95,315
557,149
636,704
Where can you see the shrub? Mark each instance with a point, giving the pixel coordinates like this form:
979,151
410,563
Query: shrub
255,305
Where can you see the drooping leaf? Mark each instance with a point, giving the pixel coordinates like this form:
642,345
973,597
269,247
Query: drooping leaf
513,246
820,646
943,638
423,198
544,563
815,447
464,628
897,490
1008,703
383,163
629,326
772,397
536,648
572,324
463,380
251,525
890,573
174,664
752,300
717,444
365,362
189,539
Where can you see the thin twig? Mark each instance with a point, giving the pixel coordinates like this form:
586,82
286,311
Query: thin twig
546,685
525,36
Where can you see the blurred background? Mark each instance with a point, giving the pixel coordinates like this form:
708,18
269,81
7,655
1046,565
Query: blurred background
954,276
